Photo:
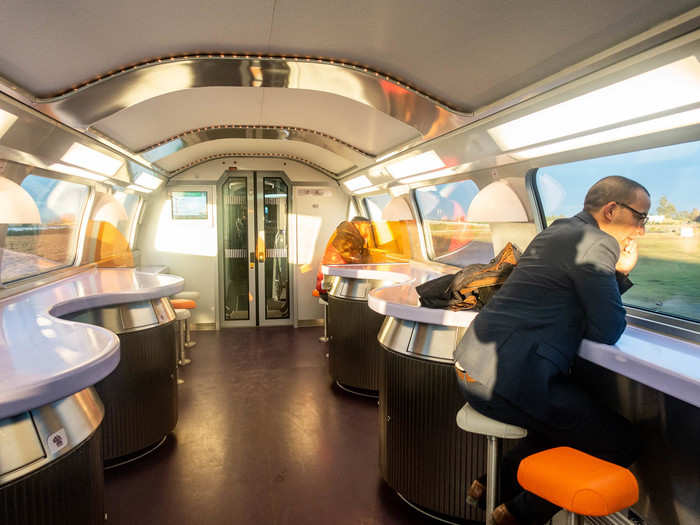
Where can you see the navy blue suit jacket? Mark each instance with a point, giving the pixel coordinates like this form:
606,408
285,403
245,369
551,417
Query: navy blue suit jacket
563,289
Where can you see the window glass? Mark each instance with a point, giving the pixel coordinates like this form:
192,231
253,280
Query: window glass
31,249
392,227
451,238
130,201
667,275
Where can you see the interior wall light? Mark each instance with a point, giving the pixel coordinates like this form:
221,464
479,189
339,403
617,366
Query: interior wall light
90,159
671,86
136,187
6,121
679,120
496,202
148,181
78,172
428,161
357,183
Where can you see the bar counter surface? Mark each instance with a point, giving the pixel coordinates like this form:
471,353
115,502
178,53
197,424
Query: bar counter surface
43,358
664,363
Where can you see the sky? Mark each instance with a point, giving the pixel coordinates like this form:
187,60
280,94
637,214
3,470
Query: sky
671,171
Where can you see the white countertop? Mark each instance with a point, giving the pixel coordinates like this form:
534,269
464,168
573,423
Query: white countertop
42,358
661,362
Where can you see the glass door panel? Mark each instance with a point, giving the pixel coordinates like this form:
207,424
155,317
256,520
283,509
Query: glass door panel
238,285
273,238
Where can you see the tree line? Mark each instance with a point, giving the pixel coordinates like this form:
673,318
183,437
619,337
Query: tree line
668,209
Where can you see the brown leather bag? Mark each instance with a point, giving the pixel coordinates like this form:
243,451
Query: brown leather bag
471,287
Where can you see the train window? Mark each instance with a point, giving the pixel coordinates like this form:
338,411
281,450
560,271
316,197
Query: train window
130,201
667,275
451,239
392,224
32,249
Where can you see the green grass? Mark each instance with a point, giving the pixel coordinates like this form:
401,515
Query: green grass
667,276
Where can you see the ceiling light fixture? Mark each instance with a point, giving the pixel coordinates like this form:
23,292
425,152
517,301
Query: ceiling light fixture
357,183
428,161
90,159
6,121
148,181
366,190
433,175
671,86
679,120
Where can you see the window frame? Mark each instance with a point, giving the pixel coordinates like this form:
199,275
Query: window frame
662,323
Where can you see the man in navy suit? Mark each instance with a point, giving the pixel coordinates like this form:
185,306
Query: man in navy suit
520,348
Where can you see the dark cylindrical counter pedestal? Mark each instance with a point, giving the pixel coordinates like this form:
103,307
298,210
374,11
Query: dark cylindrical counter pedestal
353,356
140,396
423,455
51,468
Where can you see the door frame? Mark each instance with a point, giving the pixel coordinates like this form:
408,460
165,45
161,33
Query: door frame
256,274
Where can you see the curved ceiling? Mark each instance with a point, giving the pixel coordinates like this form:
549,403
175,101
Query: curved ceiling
307,153
422,57
360,125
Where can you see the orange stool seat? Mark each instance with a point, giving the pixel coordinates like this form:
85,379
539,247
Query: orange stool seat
183,304
578,482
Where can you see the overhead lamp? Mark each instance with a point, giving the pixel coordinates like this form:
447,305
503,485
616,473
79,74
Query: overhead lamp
6,121
148,181
357,183
138,188
366,190
679,120
496,202
432,175
671,86
78,172
90,159
428,161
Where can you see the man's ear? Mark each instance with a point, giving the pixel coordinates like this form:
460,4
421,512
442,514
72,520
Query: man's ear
608,211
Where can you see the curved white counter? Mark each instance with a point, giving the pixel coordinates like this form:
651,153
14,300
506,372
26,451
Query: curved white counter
661,362
43,358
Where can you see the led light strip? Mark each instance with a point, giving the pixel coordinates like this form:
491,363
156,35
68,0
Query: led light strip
254,126
256,56
254,155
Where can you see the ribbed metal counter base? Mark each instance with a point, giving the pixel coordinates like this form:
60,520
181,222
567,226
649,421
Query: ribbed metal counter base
423,455
68,491
354,351
140,396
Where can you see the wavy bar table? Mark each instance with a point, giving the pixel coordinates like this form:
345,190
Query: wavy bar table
51,462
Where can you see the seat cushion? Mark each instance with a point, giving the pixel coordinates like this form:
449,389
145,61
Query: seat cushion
181,314
185,304
472,421
578,482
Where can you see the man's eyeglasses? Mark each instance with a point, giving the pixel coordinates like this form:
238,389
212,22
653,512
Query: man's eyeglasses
642,218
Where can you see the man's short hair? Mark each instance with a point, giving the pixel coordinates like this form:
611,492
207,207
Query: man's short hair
613,188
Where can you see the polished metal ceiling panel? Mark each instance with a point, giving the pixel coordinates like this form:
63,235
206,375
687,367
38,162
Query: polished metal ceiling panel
314,155
147,123
467,53
196,136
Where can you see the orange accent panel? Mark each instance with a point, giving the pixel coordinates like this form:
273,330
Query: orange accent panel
578,482
183,304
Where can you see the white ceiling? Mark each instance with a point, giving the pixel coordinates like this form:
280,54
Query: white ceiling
468,53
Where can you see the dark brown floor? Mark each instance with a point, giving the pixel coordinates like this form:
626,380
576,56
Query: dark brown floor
262,438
